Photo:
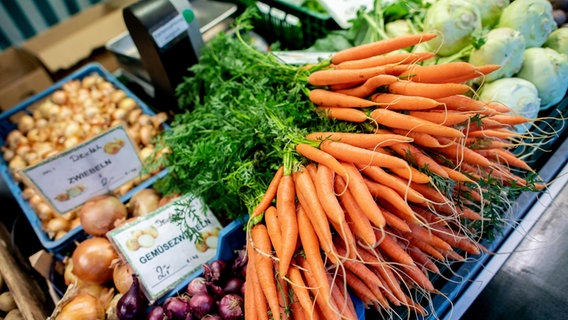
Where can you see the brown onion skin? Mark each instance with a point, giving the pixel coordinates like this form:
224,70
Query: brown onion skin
82,306
92,260
122,277
99,214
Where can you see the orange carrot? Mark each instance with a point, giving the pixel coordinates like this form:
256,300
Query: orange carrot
381,60
456,175
325,308
456,71
343,114
418,277
444,117
369,86
427,90
321,157
363,196
380,176
361,140
398,120
269,194
415,156
458,152
273,227
286,207
264,267
420,233
369,278
506,157
342,299
327,98
411,174
331,77
300,290
346,152
389,195
392,248
497,107
419,138
394,101
509,119
494,133
394,221
311,247
461,103
487,143
307,196
259,302
361,225
250,292
380,47
423,259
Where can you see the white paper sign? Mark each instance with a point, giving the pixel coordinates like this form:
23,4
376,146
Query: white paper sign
344,10
95,167
158,250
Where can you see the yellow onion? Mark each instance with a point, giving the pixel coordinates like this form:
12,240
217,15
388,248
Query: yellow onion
92,260
83,306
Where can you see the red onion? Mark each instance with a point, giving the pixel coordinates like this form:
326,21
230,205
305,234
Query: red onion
176,308
132,305
200,304
211,317
231,307
215,270
196,286
233,285
156,313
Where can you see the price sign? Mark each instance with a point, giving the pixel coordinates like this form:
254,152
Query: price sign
160,252
344,10
94,167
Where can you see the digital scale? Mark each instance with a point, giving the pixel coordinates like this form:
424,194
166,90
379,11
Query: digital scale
164,38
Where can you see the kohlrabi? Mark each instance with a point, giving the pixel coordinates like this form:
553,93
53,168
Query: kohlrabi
490,11
533,18
454,21
516,93
548,71
558,40
502,46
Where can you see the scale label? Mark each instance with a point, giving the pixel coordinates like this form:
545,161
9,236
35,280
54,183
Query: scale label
159,252
94,167
170,30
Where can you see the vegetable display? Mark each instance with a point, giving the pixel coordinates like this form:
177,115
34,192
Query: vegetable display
359,175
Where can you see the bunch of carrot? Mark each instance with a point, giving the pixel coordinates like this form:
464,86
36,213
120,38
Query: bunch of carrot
365,210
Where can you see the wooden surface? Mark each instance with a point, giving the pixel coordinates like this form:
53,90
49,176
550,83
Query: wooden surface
26,292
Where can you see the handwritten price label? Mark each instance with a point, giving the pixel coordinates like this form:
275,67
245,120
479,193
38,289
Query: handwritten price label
158,250
95,167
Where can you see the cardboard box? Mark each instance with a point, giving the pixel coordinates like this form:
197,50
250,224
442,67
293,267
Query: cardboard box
74,40
21,76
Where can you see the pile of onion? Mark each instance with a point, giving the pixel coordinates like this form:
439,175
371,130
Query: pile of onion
217,294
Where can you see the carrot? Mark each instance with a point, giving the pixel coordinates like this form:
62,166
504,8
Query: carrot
494,133
393,220
325,191
327,98
361,225
423,259
297,312
307,196
361,140
479,72
369,86
418,276
462,103
380,176
425,247
456,175
342,299
251,293
444,117
341,86
300,290
311,247
286,207
506,157
487,143
381,60
363,196
411,174
330,77
485,123
389,195
368,277
429,192
419,138
392,248
415,156
321,157
269,194
427,90
380,47
394,101
509,119
344,114
264,267
346,152
398,120
497,107
273,227
456,71
457,152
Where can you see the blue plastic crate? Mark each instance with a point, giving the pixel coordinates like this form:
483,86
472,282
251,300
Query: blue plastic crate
231,238
6,125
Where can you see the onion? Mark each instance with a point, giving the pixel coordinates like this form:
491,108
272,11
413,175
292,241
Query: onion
92,260
196,286
211,317
143,202
233,285
176,308
132,304
82,306
214,271
122,277
231,307
99,214
156,313
200,304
